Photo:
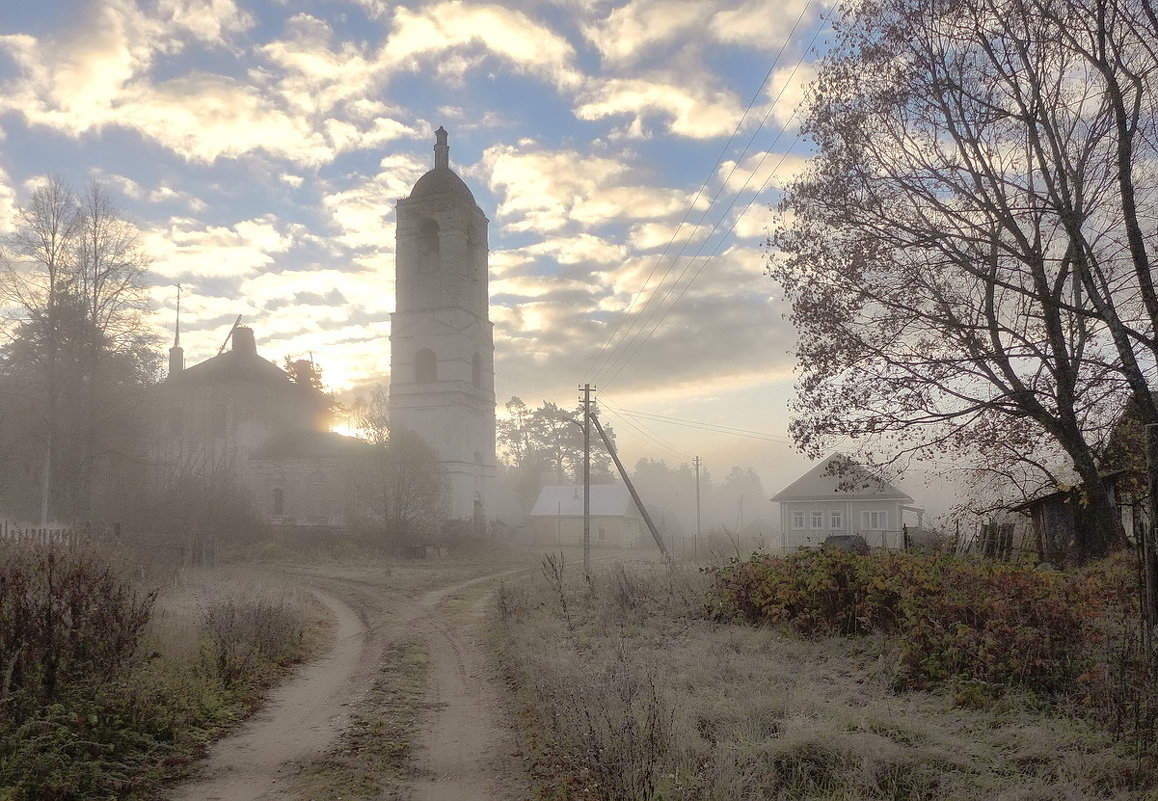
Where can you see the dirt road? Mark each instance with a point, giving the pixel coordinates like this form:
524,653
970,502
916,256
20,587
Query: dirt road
463,749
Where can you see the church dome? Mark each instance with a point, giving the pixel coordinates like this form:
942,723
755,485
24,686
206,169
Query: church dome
441,180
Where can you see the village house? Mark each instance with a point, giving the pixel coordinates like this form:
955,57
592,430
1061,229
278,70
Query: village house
838,496
557,517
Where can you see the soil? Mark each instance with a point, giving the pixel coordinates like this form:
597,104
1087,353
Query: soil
464,751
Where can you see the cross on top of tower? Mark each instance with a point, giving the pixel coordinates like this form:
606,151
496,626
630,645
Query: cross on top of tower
441,150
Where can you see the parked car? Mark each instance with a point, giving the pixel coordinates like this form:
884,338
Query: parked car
847,542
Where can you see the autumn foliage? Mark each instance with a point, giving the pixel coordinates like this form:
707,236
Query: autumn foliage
988,621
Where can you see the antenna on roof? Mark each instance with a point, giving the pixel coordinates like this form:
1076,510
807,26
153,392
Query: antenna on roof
232,328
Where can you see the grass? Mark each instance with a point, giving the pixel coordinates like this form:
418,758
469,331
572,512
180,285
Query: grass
624,690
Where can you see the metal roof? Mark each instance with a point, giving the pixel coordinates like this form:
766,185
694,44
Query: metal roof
853,482
607,500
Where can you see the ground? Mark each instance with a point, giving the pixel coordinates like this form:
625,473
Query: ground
304,743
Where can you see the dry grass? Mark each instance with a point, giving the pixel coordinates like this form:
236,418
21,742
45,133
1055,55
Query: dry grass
628,694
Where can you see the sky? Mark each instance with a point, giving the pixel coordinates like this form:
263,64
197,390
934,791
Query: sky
628,156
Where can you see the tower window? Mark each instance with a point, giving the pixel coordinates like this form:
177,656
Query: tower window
476,371
428,244
425,367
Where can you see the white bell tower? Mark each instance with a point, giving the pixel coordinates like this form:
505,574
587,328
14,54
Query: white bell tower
442,354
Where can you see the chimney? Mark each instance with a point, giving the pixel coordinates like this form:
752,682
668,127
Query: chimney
243,341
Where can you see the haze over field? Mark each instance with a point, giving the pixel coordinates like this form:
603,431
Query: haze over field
626,155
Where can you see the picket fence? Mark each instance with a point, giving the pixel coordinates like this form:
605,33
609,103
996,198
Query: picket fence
33,534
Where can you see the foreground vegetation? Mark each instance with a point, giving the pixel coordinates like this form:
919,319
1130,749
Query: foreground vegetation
109,690
882,677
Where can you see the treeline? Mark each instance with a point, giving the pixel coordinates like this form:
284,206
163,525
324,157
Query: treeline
75,357
544,445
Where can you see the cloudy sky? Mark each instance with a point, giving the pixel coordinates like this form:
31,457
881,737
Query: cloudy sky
625,153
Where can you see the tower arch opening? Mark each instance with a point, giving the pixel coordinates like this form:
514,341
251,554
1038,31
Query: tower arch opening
425,366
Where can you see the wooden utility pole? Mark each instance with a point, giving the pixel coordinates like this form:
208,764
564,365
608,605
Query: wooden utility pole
587,389
631,488
697,461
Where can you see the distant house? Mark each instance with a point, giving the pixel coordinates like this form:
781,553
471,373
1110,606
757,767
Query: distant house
838,496
557,517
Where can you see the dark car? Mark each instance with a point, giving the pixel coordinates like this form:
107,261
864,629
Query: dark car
847,542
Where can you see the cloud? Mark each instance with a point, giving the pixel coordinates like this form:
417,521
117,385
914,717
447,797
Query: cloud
760,170
765,24
549,190
695,112
364,212
629,31
457,33
186,250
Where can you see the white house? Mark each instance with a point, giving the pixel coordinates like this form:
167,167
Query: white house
844,499
557,517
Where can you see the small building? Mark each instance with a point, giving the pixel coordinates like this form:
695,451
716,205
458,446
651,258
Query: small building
839,496
557,517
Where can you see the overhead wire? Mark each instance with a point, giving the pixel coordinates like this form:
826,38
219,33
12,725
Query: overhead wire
594,369
642,430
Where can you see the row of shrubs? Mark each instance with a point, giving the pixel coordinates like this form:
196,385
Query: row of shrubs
89,708
979,620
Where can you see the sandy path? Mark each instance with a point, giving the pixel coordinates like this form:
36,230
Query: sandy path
301,717
462,746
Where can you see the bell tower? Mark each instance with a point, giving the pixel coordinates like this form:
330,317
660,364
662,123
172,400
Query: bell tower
442,354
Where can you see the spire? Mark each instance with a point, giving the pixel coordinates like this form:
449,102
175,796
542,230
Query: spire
441,149
176,353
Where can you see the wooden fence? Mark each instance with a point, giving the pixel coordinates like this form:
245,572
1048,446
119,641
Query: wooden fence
33,534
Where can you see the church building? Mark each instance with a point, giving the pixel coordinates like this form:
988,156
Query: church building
442,373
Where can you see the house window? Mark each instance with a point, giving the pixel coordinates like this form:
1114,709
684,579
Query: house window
175,422
836,521
602,534
817,520
873,521
425,366
798,520
278,501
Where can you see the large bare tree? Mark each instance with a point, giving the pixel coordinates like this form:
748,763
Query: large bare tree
969,255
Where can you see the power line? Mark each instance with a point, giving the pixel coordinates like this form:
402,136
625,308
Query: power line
643,431
705,426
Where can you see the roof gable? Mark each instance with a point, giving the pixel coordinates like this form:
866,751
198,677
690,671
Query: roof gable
607,500
853,482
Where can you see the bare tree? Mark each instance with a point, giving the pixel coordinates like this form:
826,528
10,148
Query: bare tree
966,257
78,349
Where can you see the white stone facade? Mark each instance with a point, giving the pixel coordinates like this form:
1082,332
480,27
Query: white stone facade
442,376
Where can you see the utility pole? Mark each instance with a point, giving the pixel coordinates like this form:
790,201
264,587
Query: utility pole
586,389
697,461
631,488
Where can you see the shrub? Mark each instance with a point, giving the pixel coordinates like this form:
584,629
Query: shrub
66,620
249,641
986,621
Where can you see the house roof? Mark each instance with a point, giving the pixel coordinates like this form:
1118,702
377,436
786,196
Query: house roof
607,500
310,444
853,482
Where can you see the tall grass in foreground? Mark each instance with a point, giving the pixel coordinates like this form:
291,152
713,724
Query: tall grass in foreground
98,698
630,691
